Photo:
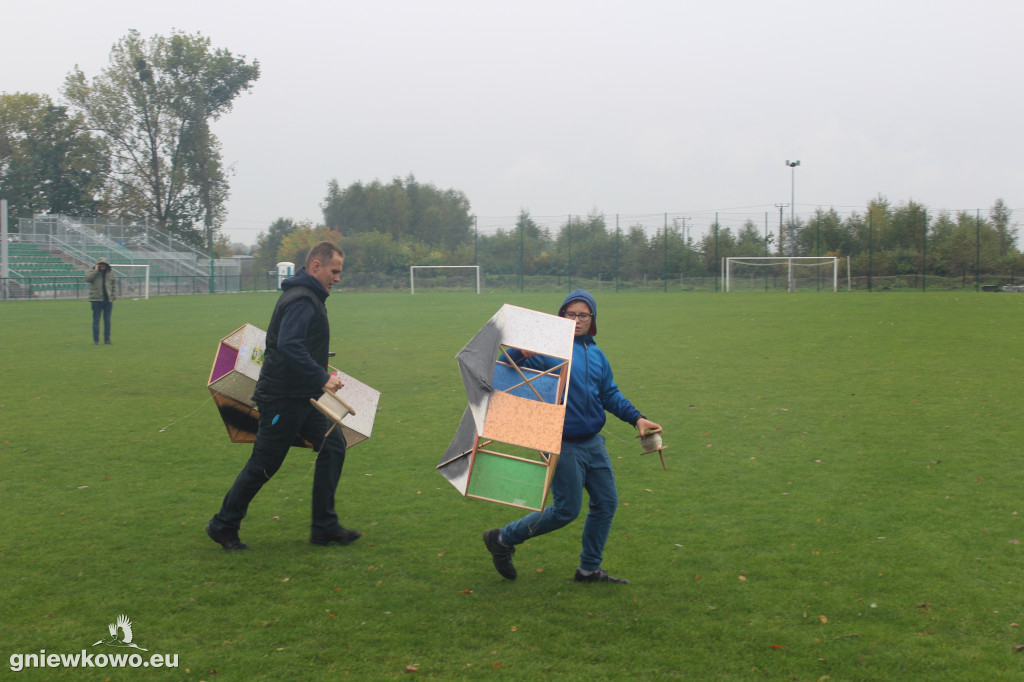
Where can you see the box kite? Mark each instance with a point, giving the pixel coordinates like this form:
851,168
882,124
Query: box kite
511,407
236,367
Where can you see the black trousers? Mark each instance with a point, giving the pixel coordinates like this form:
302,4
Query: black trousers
106,309
280,421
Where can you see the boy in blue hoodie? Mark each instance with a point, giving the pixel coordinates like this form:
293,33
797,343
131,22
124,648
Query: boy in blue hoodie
584,463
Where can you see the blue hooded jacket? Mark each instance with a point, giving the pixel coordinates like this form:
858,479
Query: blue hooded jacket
592,388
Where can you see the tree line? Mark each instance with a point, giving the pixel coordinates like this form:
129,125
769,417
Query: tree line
385,228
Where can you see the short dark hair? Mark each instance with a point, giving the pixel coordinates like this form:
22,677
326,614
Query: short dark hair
323,252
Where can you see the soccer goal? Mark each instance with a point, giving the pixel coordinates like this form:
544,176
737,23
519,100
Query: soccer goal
132,279
756,273
465,276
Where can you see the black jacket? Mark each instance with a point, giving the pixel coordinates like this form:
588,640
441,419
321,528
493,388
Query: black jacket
298,338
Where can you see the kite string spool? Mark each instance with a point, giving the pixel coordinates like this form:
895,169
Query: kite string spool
651,441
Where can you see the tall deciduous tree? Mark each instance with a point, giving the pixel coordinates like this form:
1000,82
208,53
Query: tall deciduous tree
154,104
1000,216
49,162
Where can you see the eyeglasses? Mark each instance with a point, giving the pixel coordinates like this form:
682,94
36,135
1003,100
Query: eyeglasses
582,317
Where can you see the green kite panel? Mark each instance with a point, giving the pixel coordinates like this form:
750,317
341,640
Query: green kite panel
508,480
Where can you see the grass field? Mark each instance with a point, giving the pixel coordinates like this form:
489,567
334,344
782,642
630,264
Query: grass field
843,499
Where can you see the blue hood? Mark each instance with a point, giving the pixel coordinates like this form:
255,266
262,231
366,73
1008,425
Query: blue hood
582,295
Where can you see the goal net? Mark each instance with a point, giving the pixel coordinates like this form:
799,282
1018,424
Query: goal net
444,277
780,273
133,280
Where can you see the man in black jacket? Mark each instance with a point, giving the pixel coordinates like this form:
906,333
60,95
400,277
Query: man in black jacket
294,370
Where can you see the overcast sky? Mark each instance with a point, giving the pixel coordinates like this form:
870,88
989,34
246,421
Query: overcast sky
562,107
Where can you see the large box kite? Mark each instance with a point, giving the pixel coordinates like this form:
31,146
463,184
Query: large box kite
511,405
236,367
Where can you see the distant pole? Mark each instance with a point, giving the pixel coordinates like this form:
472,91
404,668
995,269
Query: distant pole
717,268
522,253
871,246
568,234
618,261
817,245
665,240
781,233
766,249
977,247
4,267
924,253
792,220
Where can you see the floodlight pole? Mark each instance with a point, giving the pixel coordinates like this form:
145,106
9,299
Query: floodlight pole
792,219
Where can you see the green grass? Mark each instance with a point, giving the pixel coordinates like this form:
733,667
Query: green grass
842,500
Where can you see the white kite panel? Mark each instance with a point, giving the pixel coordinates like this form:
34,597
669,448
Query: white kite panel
535,331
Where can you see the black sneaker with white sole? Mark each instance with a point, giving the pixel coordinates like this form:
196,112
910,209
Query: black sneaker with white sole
598,576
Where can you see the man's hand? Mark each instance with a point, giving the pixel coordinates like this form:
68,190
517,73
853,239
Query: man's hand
645,425
333,384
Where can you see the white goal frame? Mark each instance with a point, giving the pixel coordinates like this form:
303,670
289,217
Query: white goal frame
414,268
762,261
121,266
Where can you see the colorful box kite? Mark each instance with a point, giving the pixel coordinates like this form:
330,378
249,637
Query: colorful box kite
236,367
511,405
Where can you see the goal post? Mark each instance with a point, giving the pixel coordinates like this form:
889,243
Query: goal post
414,268
131,279
729,268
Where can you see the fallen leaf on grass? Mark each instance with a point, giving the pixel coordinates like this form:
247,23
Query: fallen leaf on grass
1015,541
778,646
411,668
823,619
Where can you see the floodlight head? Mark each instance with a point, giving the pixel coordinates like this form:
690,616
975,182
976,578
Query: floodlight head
792,164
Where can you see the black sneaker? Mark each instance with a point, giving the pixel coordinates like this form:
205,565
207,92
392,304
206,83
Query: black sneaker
598,576
226,539
501,554
342,536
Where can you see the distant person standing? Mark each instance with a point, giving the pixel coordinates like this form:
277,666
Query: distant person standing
103,290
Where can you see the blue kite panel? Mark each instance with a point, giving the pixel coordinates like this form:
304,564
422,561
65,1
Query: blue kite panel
506,377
